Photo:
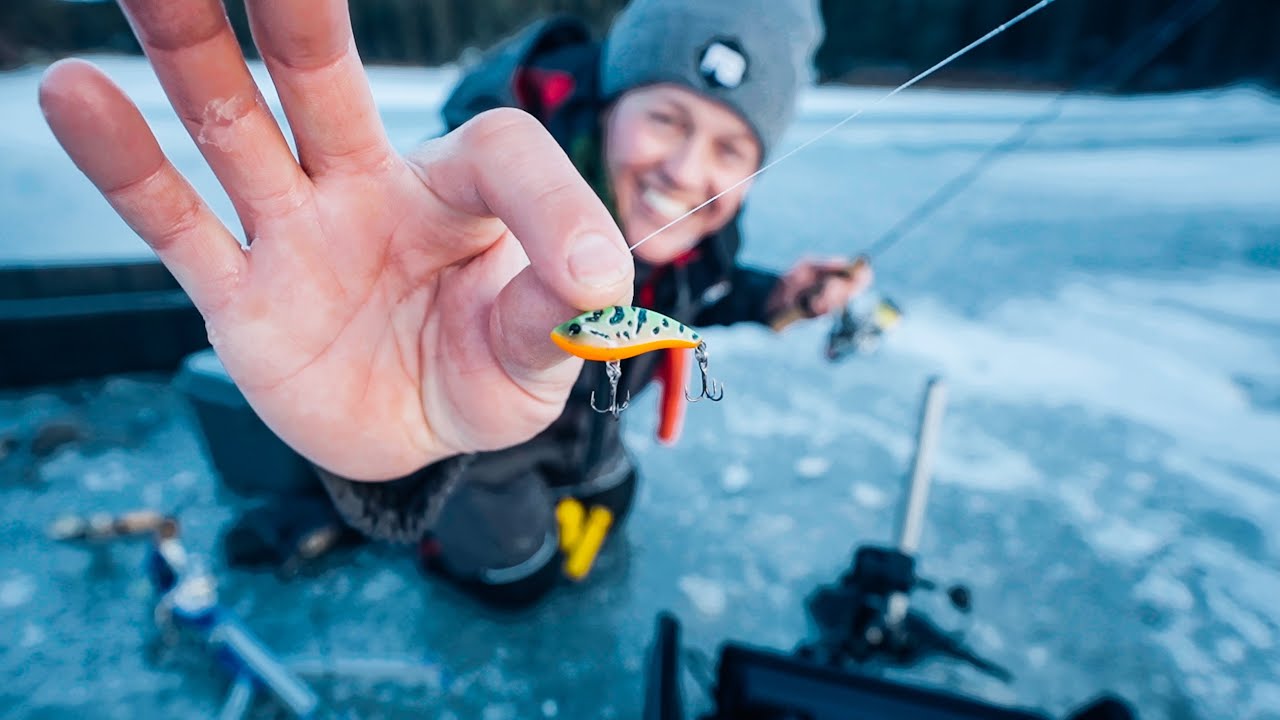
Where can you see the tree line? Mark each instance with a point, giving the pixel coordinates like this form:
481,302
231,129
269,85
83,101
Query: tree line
866,41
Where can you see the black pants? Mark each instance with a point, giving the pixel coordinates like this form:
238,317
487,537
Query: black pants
500,541
496,533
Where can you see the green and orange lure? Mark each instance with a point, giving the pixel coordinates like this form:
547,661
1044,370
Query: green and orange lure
611,335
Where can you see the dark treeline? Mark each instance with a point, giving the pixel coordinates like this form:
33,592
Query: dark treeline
867,41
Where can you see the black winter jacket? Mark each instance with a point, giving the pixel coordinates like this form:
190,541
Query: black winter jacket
551,70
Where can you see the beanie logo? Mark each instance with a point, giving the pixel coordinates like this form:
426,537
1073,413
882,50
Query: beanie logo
723,64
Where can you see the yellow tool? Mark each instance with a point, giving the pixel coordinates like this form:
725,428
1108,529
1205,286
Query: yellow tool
582,534
569,516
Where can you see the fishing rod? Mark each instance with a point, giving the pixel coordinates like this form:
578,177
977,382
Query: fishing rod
862,331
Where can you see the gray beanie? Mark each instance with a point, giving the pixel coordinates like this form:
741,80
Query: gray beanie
751,55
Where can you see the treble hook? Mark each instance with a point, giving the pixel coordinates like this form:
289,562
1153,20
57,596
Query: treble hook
711,389
613,369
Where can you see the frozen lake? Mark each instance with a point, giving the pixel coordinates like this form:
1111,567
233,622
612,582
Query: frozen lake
1104,304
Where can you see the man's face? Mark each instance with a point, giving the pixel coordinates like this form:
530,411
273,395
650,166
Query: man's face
668,150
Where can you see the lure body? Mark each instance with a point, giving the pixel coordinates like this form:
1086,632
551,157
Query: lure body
618,333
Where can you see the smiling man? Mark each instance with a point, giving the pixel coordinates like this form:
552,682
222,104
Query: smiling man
683,100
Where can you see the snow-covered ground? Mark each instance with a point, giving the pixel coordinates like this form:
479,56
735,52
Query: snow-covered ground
1104,305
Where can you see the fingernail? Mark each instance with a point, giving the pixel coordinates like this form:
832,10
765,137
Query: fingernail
597,261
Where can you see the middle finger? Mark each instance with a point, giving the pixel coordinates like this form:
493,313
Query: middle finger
308,48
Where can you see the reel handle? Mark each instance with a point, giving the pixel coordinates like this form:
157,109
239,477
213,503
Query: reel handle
803,307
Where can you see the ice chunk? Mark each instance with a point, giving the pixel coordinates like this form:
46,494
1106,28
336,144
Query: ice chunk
707,595
735,477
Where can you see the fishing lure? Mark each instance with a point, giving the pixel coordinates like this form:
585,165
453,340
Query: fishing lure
614,334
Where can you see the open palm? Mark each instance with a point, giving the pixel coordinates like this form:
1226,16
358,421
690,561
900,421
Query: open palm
389,311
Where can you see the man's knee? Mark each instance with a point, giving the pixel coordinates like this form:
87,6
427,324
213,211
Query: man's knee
499,542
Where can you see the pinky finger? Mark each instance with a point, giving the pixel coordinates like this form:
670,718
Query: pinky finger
107,138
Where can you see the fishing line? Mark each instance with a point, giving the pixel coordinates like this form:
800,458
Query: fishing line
948,60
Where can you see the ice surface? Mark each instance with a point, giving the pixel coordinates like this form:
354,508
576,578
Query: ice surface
1105,306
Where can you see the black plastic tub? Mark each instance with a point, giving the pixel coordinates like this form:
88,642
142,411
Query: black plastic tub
60,323
250,459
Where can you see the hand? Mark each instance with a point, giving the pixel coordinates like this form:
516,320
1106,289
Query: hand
817,287
390,311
